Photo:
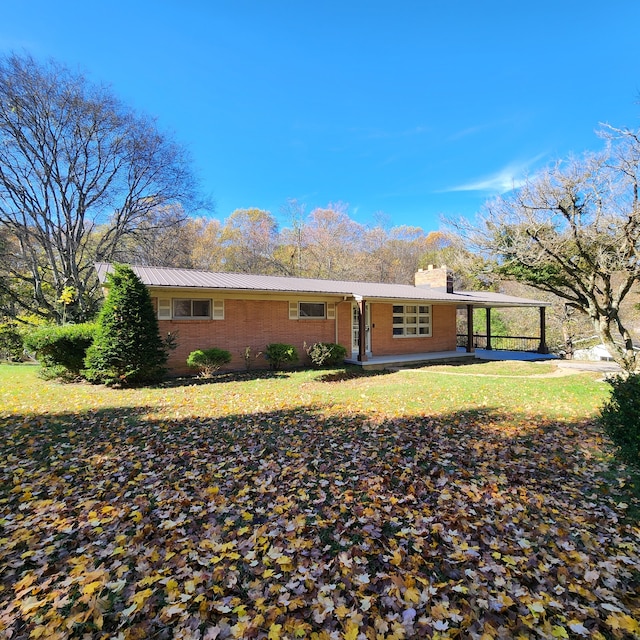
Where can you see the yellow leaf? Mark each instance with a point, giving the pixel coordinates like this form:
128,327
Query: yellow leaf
559,632
141,597
172,584
91,588
624,622
274,631
351,631
31,603
412,595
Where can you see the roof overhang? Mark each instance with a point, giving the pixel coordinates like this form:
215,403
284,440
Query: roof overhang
238,284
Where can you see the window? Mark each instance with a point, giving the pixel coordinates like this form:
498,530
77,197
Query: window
187,308
311,310
411,321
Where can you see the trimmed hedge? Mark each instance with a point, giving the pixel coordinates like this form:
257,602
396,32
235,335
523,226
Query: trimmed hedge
208,361
279,355
61,350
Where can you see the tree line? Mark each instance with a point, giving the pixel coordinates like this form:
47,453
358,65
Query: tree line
84,178
326,244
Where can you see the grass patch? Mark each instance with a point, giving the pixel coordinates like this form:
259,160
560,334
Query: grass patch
314,504
496,368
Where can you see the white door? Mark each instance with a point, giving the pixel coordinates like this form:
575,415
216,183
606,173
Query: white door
355,329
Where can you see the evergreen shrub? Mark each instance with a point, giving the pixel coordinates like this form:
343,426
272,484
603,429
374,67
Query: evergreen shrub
279,355
620,417
127,349
61,349
208,361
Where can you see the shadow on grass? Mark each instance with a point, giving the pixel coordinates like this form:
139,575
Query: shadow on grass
332,374
223,377
131,496
469,444
350,373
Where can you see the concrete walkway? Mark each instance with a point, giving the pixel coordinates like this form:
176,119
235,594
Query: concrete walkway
601,366
418,359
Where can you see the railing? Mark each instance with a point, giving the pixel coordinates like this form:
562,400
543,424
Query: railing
502,343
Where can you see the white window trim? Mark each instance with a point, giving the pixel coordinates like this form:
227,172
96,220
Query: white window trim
417,325
294,310
165,309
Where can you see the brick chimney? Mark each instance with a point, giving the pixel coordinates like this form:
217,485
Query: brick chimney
441,278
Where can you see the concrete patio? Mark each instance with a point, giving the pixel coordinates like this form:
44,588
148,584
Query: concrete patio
403,360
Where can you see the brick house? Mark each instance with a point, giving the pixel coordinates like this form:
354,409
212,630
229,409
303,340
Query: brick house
375,322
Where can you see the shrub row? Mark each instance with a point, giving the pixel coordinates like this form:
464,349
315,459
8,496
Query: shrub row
277,354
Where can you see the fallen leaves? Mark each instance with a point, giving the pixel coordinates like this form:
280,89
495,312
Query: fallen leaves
309,523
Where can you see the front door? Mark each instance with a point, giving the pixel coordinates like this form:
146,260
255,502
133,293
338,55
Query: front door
355,329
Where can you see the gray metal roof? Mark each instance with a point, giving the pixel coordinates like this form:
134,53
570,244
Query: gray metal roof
157,277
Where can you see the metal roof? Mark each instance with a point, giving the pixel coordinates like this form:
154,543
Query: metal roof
168,277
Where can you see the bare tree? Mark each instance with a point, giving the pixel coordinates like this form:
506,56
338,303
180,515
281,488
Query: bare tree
574,231
394,255
250,240
333,243
207,251
79,173
292,238
163,239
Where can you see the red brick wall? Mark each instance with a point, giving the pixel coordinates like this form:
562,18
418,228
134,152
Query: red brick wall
247,323
443,330
256,323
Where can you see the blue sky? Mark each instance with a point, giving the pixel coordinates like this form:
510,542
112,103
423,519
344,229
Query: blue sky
406,109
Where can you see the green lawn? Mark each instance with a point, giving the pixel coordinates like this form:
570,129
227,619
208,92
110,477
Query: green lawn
435,503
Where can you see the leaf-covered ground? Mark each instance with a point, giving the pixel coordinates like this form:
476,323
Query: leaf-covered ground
274,515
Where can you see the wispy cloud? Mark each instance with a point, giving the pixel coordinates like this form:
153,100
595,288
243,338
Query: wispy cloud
510,177
481,127
464,133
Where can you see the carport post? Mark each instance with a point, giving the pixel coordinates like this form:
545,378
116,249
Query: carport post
543,332
470,345
488,310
